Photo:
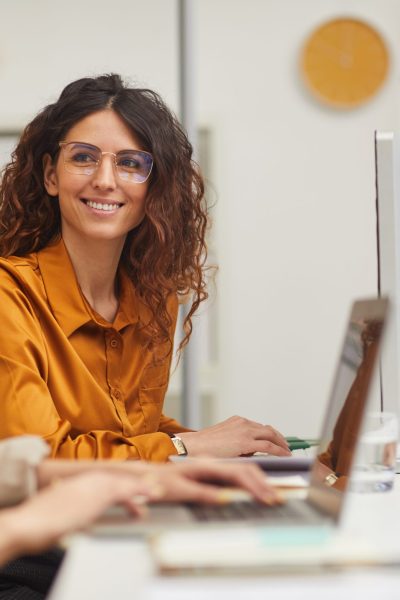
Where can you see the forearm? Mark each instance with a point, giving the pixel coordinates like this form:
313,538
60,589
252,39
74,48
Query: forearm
51,470
11,544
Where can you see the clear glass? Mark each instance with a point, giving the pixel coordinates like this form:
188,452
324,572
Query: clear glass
375,461
84,159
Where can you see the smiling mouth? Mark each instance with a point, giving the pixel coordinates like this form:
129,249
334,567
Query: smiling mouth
106,207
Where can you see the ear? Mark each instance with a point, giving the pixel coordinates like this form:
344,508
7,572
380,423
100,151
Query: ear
50,178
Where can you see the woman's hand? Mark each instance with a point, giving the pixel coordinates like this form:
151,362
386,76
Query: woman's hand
70,505
205,480
234,437
197,479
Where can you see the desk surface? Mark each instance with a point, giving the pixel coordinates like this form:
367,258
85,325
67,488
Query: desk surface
97,569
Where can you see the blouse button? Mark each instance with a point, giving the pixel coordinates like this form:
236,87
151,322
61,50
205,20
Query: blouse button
114,343
117,394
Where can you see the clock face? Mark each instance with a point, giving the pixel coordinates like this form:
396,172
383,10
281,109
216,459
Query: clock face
345,62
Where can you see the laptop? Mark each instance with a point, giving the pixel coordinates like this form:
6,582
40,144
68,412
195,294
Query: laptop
320,510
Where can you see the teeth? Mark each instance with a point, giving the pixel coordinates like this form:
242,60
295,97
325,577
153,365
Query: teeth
98,206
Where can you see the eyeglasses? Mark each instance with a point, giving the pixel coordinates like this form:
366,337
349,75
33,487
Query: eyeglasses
85,159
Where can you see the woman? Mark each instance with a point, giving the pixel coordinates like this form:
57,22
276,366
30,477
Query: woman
102,227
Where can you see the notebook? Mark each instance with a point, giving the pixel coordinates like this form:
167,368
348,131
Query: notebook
313,517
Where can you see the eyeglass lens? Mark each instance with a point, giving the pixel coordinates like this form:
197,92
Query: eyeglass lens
134,165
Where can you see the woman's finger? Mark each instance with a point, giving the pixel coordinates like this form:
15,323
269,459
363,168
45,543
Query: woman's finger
248,477
266,432
270,448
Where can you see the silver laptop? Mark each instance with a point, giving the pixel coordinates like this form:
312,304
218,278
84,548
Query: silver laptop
331,466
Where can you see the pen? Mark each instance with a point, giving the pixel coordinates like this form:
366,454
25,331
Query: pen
296,443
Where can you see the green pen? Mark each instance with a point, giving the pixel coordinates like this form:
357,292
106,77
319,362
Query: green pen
296,443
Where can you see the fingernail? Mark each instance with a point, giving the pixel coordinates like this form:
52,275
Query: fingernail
224,496
272,499
235,495
269,500
229,495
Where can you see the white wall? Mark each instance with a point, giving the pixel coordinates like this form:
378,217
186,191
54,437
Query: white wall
294,220
45,44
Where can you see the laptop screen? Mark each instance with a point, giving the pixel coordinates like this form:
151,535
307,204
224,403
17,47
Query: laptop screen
347,405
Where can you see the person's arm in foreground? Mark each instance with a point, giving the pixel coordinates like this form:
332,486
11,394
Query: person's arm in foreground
78,500
191,480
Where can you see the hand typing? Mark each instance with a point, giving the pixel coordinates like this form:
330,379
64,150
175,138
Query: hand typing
234,437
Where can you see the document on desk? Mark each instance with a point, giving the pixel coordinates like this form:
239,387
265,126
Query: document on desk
262,550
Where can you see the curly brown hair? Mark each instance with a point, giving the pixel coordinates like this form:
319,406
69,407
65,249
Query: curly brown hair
163,255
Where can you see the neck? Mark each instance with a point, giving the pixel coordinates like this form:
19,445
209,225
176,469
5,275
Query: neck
95,264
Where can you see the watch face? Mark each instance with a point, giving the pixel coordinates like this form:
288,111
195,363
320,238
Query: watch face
179,445
344,62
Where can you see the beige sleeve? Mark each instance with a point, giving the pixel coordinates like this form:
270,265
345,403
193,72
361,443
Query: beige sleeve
19,457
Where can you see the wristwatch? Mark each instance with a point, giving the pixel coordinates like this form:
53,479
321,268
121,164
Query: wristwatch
331,479
179,445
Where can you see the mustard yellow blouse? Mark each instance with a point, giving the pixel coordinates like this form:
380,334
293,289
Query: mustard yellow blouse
90,388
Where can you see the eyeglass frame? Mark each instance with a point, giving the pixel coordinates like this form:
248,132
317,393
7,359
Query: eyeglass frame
98,163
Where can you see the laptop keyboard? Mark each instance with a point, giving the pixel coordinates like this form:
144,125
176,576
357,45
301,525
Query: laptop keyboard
242,511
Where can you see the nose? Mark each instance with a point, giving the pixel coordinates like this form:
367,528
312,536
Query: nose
104,177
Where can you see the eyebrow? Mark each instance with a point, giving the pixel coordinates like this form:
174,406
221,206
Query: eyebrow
97,148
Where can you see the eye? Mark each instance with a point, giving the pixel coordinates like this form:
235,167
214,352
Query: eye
130,162
83,158
81,155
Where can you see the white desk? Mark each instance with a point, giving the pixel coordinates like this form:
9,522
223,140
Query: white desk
112,569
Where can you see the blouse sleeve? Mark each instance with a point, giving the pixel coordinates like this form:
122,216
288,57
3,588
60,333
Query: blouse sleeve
19,458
